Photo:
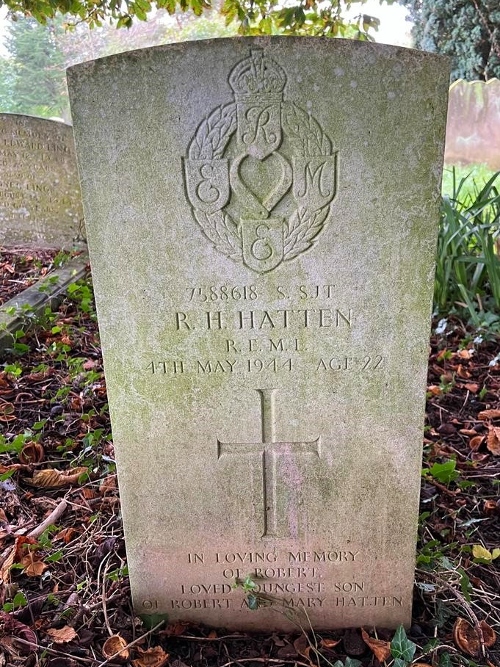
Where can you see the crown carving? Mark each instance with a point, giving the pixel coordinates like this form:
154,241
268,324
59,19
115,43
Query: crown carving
257,76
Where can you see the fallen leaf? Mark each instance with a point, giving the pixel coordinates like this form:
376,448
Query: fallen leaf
11,626
489,414
21,545
115,647
476,442
380,649
7,412
472,387
175,629
465,354
108,484
5,566
62,635
478,551
286,651
493,440
302,646
466,637
468,431
462,373
38,377
76,403
54,479
32,452
89,494
152,657
434,390
66,534
491,507
33,566
329,643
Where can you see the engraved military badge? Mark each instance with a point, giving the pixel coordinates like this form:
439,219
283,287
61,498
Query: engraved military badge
260,173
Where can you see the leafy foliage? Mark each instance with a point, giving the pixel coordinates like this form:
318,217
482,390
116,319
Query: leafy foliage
307,17
466,30
32,79
443,472
254,17
402,649
468,263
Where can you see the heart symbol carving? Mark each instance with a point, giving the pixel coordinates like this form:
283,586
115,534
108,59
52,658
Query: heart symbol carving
261,184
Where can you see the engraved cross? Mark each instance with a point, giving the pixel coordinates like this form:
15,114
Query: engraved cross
269,449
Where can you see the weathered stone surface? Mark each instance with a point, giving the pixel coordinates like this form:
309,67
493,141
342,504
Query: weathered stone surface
40,200
262,233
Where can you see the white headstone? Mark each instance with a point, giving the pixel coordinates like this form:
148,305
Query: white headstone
262,218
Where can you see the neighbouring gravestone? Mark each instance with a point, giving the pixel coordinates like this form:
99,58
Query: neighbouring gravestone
262,234
40,200
473,129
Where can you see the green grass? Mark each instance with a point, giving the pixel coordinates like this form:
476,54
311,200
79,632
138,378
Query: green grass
472,173
468,263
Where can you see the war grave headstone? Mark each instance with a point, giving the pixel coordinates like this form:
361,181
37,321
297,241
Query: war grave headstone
262,235
40,199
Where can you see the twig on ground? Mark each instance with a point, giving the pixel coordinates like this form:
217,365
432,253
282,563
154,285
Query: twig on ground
441,487
104,562
433,650
209,639
52,651
52,518
274,661
464,603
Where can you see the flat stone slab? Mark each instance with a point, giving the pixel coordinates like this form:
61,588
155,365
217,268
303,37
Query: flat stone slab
262,236
40,200
48,291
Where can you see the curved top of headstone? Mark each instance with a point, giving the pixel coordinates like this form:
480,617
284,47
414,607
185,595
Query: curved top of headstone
40,200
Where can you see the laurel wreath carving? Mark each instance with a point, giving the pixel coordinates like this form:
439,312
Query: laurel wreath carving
209,143
304,132
307,139
221,230
214,133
